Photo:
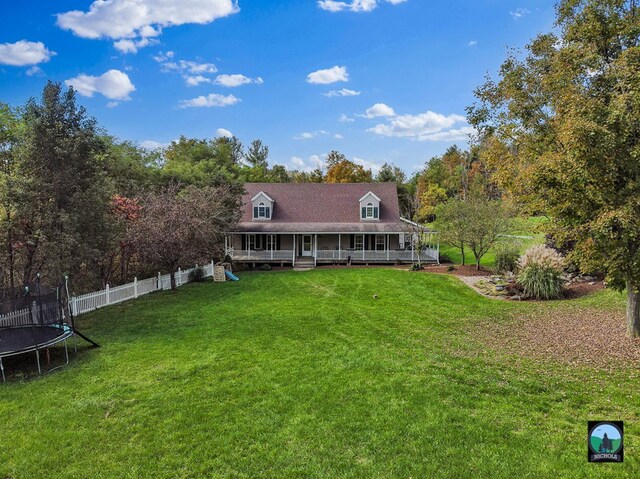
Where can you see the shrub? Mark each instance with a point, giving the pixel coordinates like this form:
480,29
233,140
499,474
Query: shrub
227,259
265,267
196,276
540,272
541,255
416,267
507,257
451,268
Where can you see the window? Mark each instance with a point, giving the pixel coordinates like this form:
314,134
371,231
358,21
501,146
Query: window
262,211
251,242
380,243
359,243
370,212
271,243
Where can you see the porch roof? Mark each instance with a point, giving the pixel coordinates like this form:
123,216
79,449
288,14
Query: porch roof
344,228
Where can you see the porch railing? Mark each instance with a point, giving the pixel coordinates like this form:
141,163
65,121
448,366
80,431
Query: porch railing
428,255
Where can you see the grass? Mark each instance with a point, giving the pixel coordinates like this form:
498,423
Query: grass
532,227
287,374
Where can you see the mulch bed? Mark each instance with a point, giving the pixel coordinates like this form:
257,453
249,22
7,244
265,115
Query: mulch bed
578,336
466,270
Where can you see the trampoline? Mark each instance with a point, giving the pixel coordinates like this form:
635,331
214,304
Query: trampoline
32,319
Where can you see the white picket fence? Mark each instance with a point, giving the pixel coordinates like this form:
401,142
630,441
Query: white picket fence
108,296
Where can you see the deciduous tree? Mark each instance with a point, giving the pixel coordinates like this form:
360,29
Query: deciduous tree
568,114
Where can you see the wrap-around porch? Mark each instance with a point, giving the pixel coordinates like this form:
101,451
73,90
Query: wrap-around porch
336,248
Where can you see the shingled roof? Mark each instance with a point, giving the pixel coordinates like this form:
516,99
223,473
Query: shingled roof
322,207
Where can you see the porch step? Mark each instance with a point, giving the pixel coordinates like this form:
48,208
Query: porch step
304,262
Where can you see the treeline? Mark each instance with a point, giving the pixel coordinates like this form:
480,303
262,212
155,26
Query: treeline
76,201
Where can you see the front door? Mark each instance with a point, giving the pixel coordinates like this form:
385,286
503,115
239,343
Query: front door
306,245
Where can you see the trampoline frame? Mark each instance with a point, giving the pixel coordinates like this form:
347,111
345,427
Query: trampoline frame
67,332
48,314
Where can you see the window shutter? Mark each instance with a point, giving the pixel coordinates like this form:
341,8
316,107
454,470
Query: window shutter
255,211
364,212
375,212
267,212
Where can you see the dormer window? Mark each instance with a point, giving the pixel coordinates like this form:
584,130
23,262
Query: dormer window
370,207
262,206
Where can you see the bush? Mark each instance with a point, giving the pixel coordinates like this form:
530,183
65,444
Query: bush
416,267
540,273
265,267
227,259
451,268
196,276
507,257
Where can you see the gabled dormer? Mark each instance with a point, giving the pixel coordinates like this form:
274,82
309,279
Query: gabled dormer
370,207
262,206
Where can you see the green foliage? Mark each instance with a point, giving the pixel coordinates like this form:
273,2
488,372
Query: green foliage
417,267
507,254
540,272
566,120
541,282
266,267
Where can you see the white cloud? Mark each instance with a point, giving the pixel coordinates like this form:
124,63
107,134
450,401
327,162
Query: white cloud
137,20
132,46
34,70
338,136
193,72
308,135
113,84
345,119
195,80
153,145
342,92
224,133
23,53
112,104
519,13
354,5
328,76
378,110
367,165
310,164
428,126
231,81
211,100
472,43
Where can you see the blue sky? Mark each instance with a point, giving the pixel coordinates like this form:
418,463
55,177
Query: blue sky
379,80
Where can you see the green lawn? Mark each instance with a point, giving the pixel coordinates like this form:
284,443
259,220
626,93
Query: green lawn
532,227
306,375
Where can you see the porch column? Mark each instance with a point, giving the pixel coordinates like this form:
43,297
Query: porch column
293,261
387,247
364,246
248,244
226,247
273,244
339,246
315,249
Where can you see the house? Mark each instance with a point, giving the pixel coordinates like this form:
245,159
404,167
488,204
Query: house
311,223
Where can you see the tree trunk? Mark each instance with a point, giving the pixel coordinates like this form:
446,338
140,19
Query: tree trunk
633,310
477,261
462,251
173,278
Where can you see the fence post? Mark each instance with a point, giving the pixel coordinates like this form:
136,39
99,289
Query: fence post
135,287
159,285
211,267
179,282
107,290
